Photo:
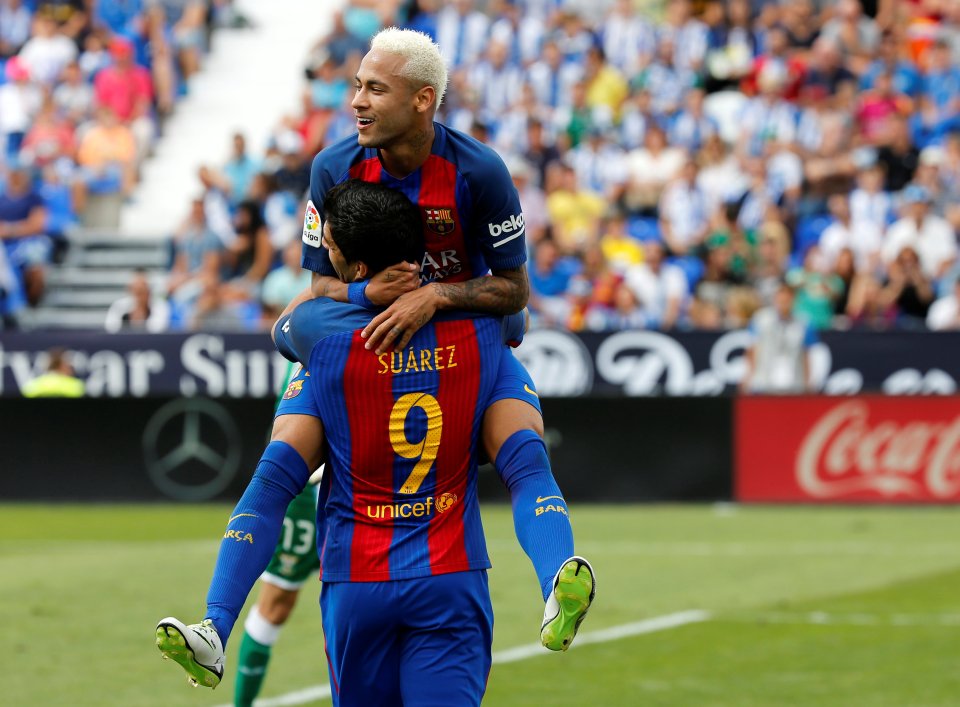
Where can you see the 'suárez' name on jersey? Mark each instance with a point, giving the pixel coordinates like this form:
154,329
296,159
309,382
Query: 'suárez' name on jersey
418,360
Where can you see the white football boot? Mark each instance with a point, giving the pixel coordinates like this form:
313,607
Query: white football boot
197,648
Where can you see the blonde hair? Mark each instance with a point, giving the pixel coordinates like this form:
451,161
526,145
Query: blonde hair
424,63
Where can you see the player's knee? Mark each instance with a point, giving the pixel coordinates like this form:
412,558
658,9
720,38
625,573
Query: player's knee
275,604
302,432
505,418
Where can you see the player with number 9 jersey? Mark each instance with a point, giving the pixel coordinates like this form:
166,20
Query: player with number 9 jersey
399,499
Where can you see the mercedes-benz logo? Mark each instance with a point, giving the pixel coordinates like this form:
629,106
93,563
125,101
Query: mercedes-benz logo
192,449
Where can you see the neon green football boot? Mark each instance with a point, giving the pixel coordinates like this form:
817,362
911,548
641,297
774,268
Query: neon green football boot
573,590
197,648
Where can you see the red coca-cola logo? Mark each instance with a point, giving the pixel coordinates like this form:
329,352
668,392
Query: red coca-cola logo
853,450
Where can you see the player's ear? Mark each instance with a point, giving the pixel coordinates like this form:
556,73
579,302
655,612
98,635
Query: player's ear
363,272
425,99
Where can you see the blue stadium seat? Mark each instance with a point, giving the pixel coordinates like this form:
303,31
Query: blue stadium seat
692,267
644,228
808,232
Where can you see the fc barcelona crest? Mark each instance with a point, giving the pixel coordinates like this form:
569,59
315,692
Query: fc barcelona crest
293,390
439,220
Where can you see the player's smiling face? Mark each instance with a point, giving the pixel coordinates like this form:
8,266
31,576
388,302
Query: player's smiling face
385,102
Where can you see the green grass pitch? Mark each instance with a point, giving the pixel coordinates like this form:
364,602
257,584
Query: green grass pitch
807,606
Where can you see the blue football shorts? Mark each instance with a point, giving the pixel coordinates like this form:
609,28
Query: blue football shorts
422,642
513,382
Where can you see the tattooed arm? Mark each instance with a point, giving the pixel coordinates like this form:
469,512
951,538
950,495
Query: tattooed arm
327,286
504,292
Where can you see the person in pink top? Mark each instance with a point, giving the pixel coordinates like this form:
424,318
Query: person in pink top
127,89
876,107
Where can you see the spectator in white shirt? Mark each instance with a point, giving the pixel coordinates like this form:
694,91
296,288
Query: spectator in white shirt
20,101
778,358
14,27
636,116
74,96
863,238
692,127
649,171
600,164
857,35
689,35
48,52
628,41
552,78
684,219
572,36
868,201
510,136
660,288
944,314
930,236
139,309
461,32
522,32
532,199
665,81
497,81
768,116
720,175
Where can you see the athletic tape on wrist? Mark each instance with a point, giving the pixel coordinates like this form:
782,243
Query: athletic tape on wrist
357,294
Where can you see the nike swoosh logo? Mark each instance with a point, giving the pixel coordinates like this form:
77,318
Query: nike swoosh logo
530,390
541,499
241,515
204,639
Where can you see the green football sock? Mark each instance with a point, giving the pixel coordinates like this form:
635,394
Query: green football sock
251,670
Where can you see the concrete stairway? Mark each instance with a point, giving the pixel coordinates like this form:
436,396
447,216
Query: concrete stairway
94,274
251,78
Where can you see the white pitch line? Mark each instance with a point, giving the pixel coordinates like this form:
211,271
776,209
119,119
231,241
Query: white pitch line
531,650
823,618
755,549
614,633
298,697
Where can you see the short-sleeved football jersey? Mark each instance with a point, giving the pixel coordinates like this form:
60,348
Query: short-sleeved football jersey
471,214
398,499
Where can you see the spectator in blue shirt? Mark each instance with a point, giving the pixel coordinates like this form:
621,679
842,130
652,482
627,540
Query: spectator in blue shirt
23,218
906,76
550,277
941,82
240,169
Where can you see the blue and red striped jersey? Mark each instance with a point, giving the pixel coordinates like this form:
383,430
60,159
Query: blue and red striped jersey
472,220
399,496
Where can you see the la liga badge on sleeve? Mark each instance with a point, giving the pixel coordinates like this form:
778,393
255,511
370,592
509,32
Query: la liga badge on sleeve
311,225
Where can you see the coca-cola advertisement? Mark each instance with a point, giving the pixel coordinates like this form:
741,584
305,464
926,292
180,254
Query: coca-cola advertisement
868,449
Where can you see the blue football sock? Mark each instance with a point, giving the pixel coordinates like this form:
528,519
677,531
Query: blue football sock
540,516
252,533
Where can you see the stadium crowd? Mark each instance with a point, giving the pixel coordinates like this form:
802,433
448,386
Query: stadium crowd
85,86
676,159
